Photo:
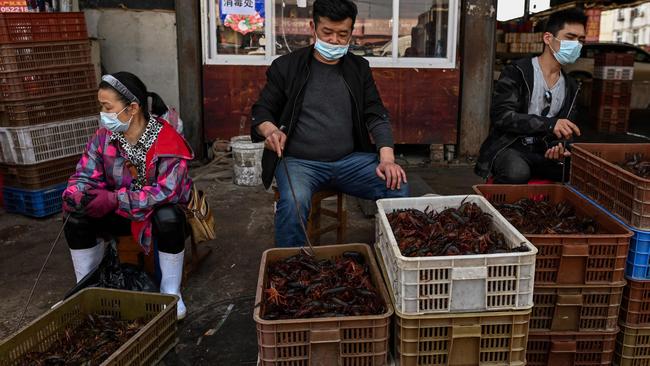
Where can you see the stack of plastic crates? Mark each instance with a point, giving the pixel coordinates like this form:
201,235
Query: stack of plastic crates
579,281
457,310
611,94
625,197
48,107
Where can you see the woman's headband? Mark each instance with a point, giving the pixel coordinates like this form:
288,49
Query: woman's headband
117,85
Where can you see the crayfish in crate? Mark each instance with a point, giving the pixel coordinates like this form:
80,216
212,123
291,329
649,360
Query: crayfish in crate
91,342
302,286
637,165
465,230
539,216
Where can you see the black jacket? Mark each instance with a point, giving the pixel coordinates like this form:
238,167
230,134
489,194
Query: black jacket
281,99
509,118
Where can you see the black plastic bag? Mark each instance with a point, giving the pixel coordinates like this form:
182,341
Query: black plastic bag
112,274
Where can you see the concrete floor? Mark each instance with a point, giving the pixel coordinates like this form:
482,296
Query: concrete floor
220,296
226,280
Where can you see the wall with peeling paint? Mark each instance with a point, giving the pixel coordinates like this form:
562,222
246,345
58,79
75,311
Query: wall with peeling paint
141,42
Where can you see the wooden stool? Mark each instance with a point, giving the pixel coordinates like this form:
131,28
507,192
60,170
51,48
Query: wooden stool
314,228
130,252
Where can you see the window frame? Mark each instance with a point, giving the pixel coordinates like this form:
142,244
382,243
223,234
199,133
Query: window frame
211,57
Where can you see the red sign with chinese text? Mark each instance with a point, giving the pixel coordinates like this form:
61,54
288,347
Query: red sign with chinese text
13,6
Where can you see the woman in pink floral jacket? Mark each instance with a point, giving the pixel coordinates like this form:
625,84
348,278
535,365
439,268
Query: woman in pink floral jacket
132,178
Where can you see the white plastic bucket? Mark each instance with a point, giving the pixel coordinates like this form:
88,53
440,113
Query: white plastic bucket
247,161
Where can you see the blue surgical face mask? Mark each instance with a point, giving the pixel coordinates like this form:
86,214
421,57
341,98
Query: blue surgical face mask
112,123
330,52
568,53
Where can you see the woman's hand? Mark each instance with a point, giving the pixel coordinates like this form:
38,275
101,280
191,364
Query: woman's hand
77,201
105,202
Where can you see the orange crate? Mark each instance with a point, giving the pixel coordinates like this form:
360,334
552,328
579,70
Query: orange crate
614,59
47,110
345,341
24,85
570,348
487,338
147,347
610,125
619,102
570,259
632,346
40,27
611,119
635,308
576,309
35,56
613,87
41,175
595,173
611,113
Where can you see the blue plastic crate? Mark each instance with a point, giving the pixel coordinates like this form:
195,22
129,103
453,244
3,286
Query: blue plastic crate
638,257
36,203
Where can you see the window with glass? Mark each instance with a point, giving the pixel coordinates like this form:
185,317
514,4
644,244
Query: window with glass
256,31
428,23
240,27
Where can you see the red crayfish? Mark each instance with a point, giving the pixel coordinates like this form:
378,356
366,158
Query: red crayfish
302,286
637,165
90,342
543,217
454,231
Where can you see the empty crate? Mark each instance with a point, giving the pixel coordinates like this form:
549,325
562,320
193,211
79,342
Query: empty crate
576,309
635,307
38,111
633,346
24,85
31,145
488,338
38,56
571,349
39,27
595,173
35,203
39,175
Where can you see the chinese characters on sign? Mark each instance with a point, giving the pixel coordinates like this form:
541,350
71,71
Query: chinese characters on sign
239,7
13,6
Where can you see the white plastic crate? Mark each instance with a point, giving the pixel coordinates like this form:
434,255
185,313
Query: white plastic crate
36,144
614,72
462,283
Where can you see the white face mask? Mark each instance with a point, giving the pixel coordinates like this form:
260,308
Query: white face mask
110,121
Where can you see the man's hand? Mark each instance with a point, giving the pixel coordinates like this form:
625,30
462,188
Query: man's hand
275,138
565,129
557,153
389,171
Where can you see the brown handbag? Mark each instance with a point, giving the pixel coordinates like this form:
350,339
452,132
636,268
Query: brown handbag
199,217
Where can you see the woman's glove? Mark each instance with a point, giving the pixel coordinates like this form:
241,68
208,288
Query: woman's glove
76,202
104,203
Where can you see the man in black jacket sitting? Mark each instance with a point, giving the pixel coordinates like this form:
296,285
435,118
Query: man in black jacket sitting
317,112
533,110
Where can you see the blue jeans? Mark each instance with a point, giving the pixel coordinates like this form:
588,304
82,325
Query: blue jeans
353,175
